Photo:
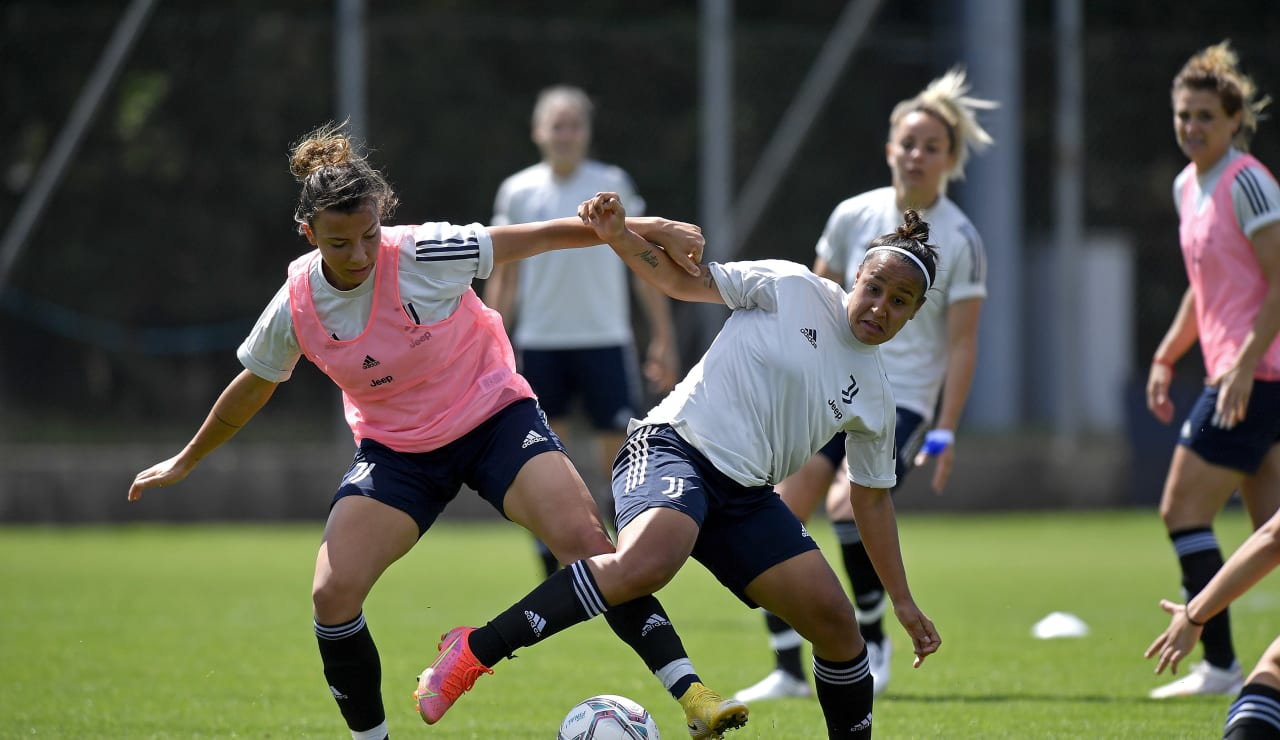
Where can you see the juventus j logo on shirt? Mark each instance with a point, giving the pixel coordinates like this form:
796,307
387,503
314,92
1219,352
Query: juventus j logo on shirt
850,391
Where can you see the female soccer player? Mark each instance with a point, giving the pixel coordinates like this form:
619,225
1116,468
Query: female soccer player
1228,206
569,313
797,361
431,395
930,137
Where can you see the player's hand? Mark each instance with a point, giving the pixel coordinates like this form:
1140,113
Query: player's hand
662,366
1158,380
940,445
1235,386
162,474
681,241
924,637
1178,639
605,213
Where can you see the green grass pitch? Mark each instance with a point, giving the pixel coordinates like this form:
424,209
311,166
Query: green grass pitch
205,632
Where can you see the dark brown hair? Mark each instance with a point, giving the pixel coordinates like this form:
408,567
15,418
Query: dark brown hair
911,236
334,176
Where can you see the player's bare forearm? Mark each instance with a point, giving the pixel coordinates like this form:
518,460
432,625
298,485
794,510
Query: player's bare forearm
669,265
682,241
240,401
243,397
653,267
1263,333
1183,331
873,511
1255,558
519,241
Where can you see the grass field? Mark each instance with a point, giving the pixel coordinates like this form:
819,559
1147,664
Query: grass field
205,632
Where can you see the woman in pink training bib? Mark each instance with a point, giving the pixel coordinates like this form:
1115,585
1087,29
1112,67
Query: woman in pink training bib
433,400
1228,207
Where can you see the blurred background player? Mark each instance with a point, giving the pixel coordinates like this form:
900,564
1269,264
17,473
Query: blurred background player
431,394
570,319
1228,206
930,137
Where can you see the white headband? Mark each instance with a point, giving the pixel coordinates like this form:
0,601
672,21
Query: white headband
927,282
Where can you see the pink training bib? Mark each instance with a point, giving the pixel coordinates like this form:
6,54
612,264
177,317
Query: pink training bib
1224,274
411,387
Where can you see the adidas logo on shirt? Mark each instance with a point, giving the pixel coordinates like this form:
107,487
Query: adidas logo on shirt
654,622
370,362
536,623
811,335
532,438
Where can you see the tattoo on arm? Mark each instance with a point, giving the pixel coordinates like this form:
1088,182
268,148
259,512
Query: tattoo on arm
648,257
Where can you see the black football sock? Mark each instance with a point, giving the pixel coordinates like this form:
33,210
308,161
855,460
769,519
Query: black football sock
786,643
354,672
1255,715
845,692
643,624
868,592
567,597
1200,558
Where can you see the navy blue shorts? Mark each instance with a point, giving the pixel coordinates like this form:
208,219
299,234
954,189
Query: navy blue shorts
487,459
1243,447
744,531
603,377
907,437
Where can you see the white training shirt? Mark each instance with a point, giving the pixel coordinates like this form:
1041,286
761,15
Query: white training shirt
784,374
572,298
916,359
430,290
1253,194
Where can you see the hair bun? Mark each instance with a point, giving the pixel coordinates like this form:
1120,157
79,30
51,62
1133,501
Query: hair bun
914,227
326,147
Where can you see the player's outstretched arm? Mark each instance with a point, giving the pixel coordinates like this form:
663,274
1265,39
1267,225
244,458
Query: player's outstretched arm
663,256
1255,558
873,511
243,397
515,242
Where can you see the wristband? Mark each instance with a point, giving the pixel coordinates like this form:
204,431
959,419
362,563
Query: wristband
937,440
1158,361
1186,612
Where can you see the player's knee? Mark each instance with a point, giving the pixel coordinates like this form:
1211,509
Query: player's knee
832,627
1267,670
334,598
643,573
579,542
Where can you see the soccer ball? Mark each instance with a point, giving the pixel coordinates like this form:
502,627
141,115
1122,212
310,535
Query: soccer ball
608,717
